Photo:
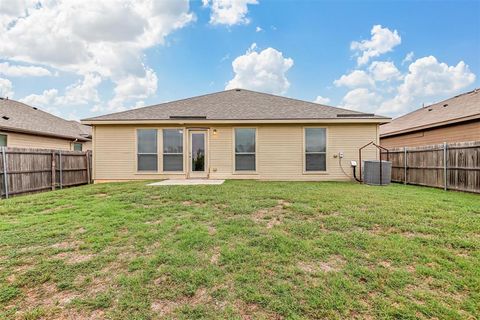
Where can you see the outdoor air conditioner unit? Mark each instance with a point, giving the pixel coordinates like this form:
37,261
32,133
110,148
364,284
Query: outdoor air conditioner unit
374,169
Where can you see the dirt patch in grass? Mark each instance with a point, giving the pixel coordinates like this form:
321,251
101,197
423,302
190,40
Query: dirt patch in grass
65,245
79,231
215,256
165,307
47,295
335,263
272,216
56,209
190,203
154,222
73,257
251,311
212,230
102,195
81,315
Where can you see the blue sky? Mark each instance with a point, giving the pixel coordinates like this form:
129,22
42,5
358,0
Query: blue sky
81,58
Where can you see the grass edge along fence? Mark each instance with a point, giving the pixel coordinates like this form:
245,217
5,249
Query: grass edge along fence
451,166
28,170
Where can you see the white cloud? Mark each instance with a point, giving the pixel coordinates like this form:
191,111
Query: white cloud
428,78
6,88
354,79
47,98
13,7
133,87
23,71
85,37
408,57
383,40
262,71
384,71
322,100
361,99
229,12
258,29
81,92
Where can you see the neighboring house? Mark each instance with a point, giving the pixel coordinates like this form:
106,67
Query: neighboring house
234,134
24,126
454,120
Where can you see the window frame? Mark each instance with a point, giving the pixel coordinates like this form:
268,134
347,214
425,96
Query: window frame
137,153
244,172
304,151
183,151
6,138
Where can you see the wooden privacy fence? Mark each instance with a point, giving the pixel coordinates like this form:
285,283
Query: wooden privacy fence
454,166
34,170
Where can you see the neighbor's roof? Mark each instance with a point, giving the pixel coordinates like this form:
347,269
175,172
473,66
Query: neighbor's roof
235,105
460,108
19,117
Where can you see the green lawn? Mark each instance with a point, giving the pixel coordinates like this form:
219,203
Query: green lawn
242,250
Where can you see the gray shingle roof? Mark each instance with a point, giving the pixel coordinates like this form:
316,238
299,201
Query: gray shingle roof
19,117
236,104
459,108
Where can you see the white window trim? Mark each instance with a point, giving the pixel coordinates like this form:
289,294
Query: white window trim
304,153
183,172
137,153
245,172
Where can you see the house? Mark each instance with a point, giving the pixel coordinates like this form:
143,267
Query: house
453,120
24,126
234,134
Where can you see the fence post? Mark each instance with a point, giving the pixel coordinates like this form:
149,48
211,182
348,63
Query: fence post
53,170
60,167
405,164
5,172
87,157
445,167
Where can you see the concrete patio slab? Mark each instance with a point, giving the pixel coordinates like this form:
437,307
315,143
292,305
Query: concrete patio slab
186,182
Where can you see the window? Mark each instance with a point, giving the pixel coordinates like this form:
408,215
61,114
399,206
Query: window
315,149
77,146
147,150
172,150
245,149
3,140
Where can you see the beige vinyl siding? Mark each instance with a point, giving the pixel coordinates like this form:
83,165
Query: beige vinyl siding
22,140
279,152
87,146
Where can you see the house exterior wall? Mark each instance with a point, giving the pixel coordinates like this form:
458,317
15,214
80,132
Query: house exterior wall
23,140
467,131
87,145
279,154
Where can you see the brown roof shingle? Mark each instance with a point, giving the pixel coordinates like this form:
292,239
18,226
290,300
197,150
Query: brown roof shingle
463,107
19,117
236,104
